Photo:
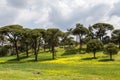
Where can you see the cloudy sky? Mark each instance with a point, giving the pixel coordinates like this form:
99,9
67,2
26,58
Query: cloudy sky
62,14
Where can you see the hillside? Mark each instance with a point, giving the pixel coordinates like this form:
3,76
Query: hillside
68,67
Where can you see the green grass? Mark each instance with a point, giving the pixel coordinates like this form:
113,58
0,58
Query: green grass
64,67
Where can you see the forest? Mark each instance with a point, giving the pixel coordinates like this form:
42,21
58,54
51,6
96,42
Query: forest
15,39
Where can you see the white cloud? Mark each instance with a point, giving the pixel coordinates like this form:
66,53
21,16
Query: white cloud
58,13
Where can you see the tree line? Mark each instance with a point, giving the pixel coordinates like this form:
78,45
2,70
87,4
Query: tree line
99,36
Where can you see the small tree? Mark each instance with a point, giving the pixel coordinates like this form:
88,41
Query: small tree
94,45
111,49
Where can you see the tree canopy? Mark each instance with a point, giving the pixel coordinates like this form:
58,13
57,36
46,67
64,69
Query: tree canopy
100,29
94,45
111,49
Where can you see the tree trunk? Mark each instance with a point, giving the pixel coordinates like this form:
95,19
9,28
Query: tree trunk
36,56
80,41
13,48
102,38
35,50
119,44
39,44
27,50
110,56
94,55
53,52
16,49
44,47
2,48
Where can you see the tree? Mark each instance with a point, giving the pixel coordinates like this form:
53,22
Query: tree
94,45
25,39
35,37
2,41
101,29
53,39
13,32
106,40
66,39
91,32
116,36
111,49
42,40
80,31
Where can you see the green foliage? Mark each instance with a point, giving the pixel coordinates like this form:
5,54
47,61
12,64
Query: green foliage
111,49
86,39
4,51
116,36
101,29
53,35
13,32
104,26
80,31
94,45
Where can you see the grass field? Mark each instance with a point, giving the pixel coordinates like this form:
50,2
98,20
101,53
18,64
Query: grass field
64,67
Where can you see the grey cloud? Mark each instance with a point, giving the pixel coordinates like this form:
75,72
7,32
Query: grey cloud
78,15
7,19
17,3
115,10
7,15
55,14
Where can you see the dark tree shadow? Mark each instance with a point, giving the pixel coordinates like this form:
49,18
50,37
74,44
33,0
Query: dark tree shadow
105,60
90,58
26,61
15,59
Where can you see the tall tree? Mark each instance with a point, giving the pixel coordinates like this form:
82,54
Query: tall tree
25,39
80,31
2,40
35,36
53,39
116,36
14,34
101,29
42,39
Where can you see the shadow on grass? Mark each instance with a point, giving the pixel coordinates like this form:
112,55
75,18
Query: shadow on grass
106,60
15,59
25,61
90,58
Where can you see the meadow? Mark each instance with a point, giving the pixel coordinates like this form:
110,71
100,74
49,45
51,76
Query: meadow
69,65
